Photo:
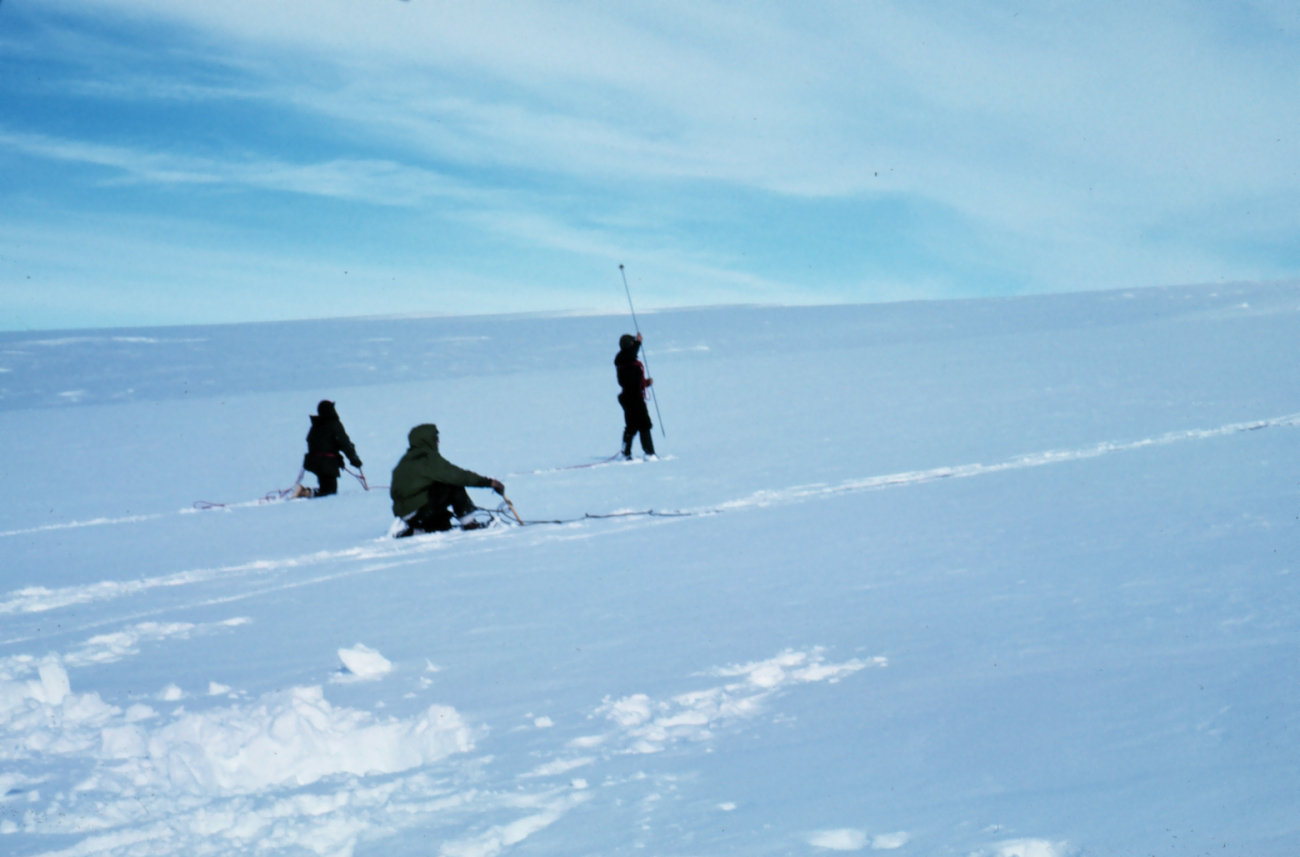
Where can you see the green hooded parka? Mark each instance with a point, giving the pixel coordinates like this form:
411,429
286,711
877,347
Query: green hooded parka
422,466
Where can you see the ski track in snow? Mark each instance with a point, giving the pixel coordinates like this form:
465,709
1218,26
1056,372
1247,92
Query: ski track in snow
96,522
291,770
39,599
387,552
766,498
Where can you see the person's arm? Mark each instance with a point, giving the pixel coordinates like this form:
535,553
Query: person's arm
442,470
345,444
645,382
479,481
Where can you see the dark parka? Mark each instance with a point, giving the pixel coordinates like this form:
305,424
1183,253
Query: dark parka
422,466
327,443
631,378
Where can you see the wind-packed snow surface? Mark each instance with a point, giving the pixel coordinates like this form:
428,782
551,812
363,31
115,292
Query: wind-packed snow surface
1004,577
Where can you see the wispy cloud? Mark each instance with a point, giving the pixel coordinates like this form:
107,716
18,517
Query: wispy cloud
814,102
372,181
950,148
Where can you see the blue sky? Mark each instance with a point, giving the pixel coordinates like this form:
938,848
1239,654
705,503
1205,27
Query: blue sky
176,161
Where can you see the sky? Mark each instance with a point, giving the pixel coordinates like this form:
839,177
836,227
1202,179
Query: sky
181,162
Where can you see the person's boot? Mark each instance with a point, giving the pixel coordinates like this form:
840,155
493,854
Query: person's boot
466,519
437,522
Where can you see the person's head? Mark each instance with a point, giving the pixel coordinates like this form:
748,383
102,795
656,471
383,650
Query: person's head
425,434
326,409
626,341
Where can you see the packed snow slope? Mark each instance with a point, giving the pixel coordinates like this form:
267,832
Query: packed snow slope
1012,578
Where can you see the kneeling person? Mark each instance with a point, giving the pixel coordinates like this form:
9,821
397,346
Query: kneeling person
327,443
425,484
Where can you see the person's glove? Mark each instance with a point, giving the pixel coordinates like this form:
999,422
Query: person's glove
498,487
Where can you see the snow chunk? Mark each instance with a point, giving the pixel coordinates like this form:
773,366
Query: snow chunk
294,737
50,687
42,716
844,839
124,742
54,685
628,711
648,725
202,766
363,664
890,841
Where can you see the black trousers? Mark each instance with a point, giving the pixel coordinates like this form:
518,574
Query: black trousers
647,444
433,516
329,484
636,419
326,468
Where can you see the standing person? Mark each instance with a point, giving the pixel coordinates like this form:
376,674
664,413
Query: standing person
327,443
631,377
425,484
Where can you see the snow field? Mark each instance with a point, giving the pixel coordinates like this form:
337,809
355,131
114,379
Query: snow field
1023,591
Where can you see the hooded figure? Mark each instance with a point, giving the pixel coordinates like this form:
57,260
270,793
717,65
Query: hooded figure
327,443
631,377
425,484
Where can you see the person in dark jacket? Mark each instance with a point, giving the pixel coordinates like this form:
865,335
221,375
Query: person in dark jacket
631,377
425,484
327,443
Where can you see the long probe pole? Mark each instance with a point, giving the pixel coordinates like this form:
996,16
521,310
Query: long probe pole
653,397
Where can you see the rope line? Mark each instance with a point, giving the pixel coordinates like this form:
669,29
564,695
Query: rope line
504,515
275,495
609,460
360,476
